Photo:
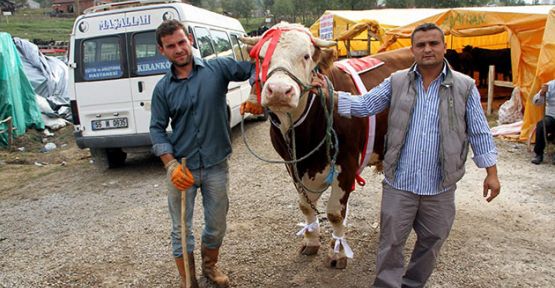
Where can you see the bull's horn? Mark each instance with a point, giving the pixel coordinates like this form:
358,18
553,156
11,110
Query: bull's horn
250,40
324,43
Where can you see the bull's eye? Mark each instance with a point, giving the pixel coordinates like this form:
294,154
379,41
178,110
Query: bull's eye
306,57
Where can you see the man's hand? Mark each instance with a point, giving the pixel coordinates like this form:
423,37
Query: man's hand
543,90
251,107
180,176
492,187
319,81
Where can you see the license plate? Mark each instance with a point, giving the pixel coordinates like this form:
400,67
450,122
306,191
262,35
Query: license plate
114,123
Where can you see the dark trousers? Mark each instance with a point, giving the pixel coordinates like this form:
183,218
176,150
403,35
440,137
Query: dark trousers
540,138
431,217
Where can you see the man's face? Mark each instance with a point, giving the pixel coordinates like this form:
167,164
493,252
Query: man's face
428,48
177,48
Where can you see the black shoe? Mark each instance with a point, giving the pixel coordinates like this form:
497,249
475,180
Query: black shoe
553,160
538,159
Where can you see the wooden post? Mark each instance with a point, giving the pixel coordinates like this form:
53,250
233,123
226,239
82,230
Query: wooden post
369,42
9,129
491,79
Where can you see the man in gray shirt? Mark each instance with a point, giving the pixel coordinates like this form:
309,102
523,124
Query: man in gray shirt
193,95
545,127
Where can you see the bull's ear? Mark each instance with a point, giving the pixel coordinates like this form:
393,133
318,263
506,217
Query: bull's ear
324,43
327,57
250,40
316,55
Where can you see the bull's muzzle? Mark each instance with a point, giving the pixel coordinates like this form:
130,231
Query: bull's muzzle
278,94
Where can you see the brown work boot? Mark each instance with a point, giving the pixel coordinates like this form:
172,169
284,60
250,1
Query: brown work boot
209,268
181,268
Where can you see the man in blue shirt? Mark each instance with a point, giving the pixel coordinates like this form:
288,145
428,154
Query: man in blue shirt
193,96
434,113
545,129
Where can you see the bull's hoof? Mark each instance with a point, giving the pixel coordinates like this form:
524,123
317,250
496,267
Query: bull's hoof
336,262
309,250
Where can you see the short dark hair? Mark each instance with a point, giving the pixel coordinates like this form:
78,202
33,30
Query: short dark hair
168,27
426,27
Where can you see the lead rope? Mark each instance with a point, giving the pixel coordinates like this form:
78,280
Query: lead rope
329,137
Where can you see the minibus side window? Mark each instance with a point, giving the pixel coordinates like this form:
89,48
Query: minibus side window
204,43
102,58
148,60
222,44
236,47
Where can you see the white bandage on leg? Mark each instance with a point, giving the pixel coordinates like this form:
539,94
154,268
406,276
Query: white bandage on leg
308,227
341,241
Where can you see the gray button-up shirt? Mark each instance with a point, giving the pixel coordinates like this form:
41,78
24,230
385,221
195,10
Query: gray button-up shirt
198,111
550,95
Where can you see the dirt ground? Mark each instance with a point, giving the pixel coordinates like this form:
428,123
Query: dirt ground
63,223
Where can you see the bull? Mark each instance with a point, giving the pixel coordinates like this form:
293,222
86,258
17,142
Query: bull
320,148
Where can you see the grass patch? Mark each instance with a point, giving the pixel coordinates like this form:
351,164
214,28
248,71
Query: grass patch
36,24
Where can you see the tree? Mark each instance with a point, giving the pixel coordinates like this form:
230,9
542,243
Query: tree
396,3
283,9
239,8
356,4
212,5
196,3
512,2
435,3
265,4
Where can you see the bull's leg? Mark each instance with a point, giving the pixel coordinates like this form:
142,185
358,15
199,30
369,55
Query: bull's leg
311,228
339,250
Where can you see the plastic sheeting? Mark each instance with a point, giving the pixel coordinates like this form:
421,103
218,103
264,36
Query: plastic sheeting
48,75
17,98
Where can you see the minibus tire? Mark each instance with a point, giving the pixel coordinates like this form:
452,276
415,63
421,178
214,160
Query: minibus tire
105,158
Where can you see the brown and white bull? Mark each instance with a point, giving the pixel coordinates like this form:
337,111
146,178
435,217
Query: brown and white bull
287,57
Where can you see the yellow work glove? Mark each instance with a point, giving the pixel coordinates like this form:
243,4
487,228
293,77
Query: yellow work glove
251,107
182,180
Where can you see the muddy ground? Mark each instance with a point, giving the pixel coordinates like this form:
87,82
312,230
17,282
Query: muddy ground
63,223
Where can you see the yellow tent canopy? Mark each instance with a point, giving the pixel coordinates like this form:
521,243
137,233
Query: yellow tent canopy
521,28
545,71
349,27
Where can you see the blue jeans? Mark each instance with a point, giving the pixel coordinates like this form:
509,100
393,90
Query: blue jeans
214,186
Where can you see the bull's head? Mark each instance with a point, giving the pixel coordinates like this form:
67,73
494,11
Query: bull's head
286,57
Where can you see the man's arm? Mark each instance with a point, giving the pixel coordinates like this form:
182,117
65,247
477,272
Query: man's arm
371,103
159,119
483,146
236,70
539,98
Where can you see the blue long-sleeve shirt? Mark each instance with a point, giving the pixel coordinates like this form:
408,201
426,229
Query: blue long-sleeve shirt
419,169
197,109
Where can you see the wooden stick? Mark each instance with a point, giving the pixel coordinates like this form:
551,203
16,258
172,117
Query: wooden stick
184,229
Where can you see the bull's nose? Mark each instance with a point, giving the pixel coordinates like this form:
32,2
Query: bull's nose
280,90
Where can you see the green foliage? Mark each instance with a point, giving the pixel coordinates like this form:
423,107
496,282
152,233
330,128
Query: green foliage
283,10
239,8
434,3
512,2
212,5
